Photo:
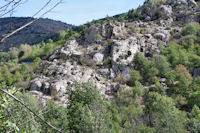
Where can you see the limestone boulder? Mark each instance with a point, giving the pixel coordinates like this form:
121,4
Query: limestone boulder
98,58
58,88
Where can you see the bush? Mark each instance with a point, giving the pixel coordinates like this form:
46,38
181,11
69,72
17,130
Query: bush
98,37
190,29
194,99
179,80
138,90
160,62
133,29
20,114
163,115
135,76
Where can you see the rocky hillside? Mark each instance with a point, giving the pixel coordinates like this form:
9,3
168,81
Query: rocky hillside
105,51
138,72
41,30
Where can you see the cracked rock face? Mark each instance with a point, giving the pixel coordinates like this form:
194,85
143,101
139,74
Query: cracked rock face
123,51
106,51
77,62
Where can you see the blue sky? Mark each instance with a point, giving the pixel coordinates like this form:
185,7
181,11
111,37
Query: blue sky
78,11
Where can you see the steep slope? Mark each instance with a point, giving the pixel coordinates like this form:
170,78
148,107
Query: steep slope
39,31
104,53
145,64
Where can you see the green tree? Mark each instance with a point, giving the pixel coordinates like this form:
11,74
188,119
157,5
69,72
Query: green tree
179,80
176,54
135,76
140,63
85,104
14,52
47,48
194,98
190,29
160,62
193,123
57,116
163,115
138,90
19,115
17,77
7,75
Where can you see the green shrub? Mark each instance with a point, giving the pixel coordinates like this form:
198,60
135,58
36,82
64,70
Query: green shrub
190,29
160,62
135,76
107,60
138,90
98,37
163,115
133,29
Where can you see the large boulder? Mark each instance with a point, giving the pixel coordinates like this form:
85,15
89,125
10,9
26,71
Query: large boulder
166,9
70,49
98,58
36,85
58,88
123,51
45,87
192,3
118,29
97,32
160,36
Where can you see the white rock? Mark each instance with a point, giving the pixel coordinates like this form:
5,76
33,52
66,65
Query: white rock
58,88
98,58
160,36
123,51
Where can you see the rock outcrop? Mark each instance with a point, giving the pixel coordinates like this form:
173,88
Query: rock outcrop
105,52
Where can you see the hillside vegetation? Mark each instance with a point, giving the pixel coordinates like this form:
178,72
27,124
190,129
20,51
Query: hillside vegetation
137,72
41,30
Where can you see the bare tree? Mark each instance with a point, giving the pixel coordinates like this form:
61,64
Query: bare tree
36,115
13,4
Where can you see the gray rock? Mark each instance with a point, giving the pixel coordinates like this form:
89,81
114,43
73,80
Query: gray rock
166,9
86,75
104,72
160,36
96,32
37,93
70,49
123,51
166,23
58,88
126,73
192,3
180,3
36,85
46,88
98,58
148,18
112,74
55,55
116,88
